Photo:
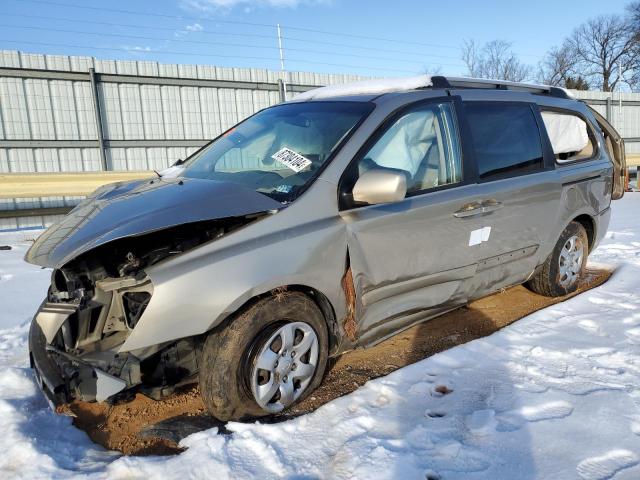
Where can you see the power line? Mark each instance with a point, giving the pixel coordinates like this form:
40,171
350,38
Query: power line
238,22
225,44
132,50
146,14
370,57
255,24
139,37
366,37
255,35
167,52
358,47
135,25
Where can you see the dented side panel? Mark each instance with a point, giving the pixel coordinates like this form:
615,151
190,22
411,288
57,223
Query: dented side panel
411,256
199,289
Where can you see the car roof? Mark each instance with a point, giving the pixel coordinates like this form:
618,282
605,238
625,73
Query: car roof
368,90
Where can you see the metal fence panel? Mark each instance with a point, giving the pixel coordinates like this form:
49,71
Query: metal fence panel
64,110
191,115
210,111
131,108
46,160
172,112
55,110
40,109
152,111
85,111
13,107
48,111
111,111
70,159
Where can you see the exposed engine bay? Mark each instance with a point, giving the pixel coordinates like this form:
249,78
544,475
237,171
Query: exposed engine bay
94,303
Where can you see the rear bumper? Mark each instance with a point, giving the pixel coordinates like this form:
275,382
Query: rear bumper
601,226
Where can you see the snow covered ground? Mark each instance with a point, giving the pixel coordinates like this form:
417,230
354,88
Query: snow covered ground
556,395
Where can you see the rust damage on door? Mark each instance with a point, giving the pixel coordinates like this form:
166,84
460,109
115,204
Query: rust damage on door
349,324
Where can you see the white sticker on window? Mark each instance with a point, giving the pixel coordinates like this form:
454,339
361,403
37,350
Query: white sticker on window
480,235
291,159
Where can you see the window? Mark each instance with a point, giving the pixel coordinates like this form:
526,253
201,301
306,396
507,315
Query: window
570,137
506,139
423,144
280,150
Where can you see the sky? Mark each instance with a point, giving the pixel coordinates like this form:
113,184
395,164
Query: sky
373,38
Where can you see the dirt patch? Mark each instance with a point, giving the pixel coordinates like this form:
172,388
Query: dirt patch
148,427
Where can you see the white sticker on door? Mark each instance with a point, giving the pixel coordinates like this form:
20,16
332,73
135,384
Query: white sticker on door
475,238
480,235
291,159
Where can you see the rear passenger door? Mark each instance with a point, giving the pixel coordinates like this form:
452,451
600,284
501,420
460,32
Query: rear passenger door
517,195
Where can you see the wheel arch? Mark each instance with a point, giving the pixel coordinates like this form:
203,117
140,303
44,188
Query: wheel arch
589,225
318,297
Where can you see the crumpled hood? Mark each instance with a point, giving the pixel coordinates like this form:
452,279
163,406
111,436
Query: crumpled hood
134,208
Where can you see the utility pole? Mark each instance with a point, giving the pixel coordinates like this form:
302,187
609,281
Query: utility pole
98,115
620,117
621,121
283,91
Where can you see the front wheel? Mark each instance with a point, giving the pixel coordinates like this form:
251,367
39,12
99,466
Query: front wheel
561,272
266,359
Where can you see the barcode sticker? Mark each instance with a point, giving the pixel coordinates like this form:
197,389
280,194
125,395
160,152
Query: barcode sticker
291,159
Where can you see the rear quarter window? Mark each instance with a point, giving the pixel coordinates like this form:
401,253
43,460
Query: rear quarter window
570,136
506,139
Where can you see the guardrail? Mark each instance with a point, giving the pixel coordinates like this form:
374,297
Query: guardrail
44,185
31,185
48,185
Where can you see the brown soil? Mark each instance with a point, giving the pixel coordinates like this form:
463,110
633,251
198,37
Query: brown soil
134,429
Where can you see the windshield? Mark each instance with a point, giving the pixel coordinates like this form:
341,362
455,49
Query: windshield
280,150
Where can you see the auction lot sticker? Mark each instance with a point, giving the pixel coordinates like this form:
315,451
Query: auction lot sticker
291,159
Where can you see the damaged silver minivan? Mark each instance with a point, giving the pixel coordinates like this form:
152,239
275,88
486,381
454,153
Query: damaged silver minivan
316,226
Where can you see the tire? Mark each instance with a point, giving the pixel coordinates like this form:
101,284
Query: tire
554,280
231,380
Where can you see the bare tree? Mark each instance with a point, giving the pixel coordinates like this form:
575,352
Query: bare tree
576,83
558,65
633,11
604,50
495,60
432,70
471,57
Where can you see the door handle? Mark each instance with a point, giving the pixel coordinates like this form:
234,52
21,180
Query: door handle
478,208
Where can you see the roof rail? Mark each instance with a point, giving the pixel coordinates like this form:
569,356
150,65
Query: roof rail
379,86
463,82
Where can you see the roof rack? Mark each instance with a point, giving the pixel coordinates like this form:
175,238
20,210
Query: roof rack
379,86
440,81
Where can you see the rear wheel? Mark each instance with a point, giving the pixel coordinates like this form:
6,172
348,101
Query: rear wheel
266,359
561,272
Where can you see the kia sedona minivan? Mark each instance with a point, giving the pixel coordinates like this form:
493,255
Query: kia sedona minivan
317,226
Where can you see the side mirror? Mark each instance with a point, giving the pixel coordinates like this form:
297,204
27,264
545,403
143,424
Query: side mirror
380,186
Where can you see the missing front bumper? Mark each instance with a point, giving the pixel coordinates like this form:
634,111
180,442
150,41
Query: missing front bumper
54,387
62,382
